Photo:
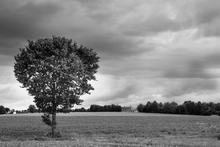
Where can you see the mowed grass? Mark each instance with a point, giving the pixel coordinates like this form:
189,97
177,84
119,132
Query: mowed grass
112,129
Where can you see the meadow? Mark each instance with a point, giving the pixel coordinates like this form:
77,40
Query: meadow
119,129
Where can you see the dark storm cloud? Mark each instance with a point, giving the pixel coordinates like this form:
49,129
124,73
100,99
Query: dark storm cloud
105,28
207,11
103,11
189,69
152,25
23,21
212,60
122,94
114,45
207,16
189,86
135,25
195,73
196,67
32,20
171,65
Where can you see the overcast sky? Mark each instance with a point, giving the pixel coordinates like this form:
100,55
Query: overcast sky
150,49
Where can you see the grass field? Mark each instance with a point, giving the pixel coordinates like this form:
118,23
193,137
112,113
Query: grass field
111,129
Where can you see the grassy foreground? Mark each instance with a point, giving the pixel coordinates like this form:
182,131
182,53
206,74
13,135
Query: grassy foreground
112,129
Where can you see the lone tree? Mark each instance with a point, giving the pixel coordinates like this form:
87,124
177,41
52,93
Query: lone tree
56,72
32,109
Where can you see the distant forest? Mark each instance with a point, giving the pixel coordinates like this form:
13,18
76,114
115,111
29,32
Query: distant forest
93,108
188,107
99,108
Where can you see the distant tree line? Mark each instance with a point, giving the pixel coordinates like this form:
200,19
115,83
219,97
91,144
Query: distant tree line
105,108
30,109
188,107
93,108
80,110
4,110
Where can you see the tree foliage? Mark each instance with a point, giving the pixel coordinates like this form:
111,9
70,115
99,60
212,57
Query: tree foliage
188,107
4,110
105,108
56,72
32,109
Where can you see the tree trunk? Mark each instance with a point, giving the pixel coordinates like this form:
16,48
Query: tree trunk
53,124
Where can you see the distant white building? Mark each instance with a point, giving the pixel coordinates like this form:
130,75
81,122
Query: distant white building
128,109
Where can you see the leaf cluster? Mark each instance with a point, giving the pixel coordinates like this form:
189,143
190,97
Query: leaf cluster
46,119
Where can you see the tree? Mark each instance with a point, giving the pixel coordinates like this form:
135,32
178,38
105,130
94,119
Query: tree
140,108
105,108
154,107
147,107
32,109
190,107
56,72
4,110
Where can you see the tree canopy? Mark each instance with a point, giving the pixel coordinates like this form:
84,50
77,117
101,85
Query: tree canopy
56,72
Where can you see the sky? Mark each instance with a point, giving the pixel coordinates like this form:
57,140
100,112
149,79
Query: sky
150,49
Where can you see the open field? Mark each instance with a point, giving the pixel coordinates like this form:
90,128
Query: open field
112,129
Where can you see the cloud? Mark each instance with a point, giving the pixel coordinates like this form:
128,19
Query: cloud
7,75
149,50
114,88
14,97
114,45
188,86
11,93
6,60
32,20
21,21
207,11
207,17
